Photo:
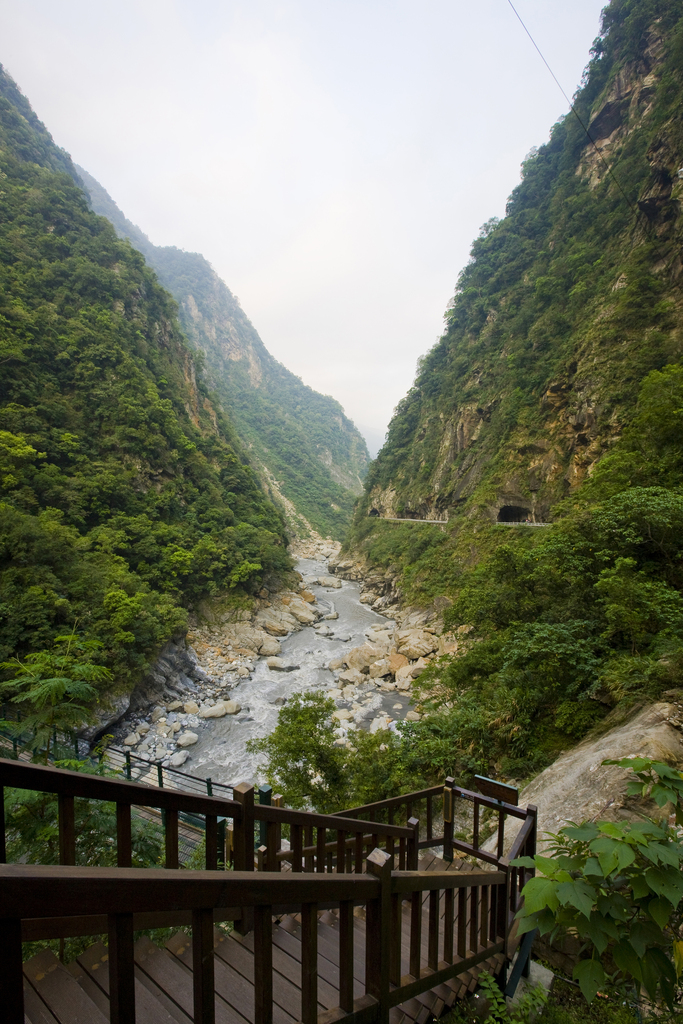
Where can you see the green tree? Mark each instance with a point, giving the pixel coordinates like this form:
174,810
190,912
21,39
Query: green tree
53,688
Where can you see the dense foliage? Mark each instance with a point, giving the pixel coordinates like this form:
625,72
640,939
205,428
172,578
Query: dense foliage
619,887
313,452
124,496
563,347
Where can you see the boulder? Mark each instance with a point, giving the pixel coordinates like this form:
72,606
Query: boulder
243,672
351,675
415,643
307,596
131,739
329,581
191,707
331,616
270,647
302,612
418,667
413,716
187,739
336,664
404,677
276,621
380,668
173,706
143,728
362,657
216,711
342,714
397,661
232,707
380,723
178,759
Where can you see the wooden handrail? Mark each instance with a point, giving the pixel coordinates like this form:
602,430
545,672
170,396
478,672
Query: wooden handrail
287,816
427,881
21,775
392,801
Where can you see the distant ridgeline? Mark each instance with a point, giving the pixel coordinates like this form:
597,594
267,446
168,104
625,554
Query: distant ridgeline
307,450
554,395
125,495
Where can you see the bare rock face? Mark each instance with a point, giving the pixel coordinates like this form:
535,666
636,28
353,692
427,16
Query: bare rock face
578,788
415,643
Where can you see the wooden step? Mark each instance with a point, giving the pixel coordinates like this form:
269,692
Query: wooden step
60,992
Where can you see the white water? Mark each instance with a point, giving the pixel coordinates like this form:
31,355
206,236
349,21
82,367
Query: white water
221,750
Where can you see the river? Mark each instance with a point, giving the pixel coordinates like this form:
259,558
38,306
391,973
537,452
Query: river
220,751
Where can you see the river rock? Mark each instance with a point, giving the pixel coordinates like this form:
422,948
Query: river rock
330,581
131,739
351,675
307,596
331,616
143,728
276,621
379,723
270,647
415,643
191,707
362,657
157,714
336,664
404,677
232,707
187,739
397,661
413,716
380,668
178,759
175,705
215,711
342,714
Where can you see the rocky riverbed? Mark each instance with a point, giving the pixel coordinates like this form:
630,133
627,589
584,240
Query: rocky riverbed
206,698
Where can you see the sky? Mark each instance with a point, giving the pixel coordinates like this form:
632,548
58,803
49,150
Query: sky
332,159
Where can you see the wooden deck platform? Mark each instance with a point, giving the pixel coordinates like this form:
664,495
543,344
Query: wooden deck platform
79,993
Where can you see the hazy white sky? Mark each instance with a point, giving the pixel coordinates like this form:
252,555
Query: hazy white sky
333,159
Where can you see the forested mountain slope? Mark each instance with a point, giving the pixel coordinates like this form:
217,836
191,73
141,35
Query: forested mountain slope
125,495
307,449
555,394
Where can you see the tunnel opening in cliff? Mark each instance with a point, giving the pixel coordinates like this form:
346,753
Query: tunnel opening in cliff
513,514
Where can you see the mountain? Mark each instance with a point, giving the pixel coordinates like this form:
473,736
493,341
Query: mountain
310,456
555,395
125,494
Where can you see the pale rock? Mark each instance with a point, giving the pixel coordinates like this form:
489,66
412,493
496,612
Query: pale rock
380,668
143,728
367,598
232,707
329,581
187,739
415,643
397,661
174,705
418,668
307,596
302,612
351,675
336,664
216,711
334,694
331,616
175,727
397,707
131,740
362,657
413,716
404,677
242,672
278,664
277,622
342,714
379,723
178,759
191,707
349,691
270,647
157,714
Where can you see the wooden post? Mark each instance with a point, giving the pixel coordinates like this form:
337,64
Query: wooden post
67,830
243,838
433,930
124,838
396,932
341,852
413,844
171,830
346,955
202,967
309,963
121,969
11,976
263,965
378,935
448,815
211,833
265,796
3,847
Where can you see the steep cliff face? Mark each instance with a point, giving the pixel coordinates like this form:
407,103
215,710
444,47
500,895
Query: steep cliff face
125,496
304,446
566,304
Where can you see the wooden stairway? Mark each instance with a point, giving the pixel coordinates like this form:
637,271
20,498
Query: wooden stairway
79,993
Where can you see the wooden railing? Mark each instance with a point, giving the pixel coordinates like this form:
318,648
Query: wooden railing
335,861
473,928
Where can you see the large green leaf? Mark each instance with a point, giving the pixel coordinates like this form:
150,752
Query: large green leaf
660,910
578,894
590,976
540,893
666,882
626,959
